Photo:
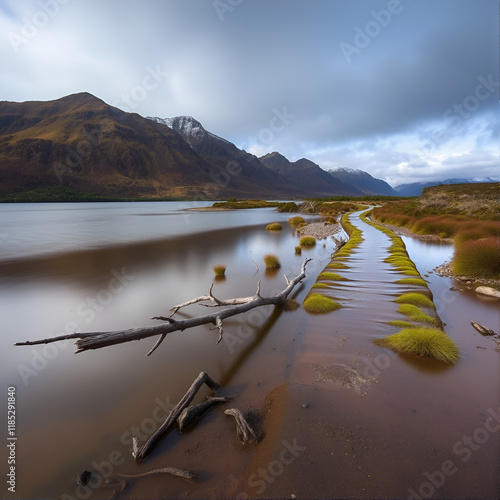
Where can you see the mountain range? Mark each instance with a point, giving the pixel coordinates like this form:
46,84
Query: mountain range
82,143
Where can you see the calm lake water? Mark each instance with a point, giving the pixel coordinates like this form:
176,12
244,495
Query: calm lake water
111,266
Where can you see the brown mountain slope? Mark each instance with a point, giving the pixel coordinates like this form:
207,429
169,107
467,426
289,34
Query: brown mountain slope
81,142
252,176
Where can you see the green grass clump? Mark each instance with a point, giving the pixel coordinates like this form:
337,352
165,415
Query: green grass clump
274,226
480,258
423,342
337,265
319,304
296,220
219,270
416,314
272,261
417,299
400,324
298,249
407,271
307,241
320,285
331,277
412,281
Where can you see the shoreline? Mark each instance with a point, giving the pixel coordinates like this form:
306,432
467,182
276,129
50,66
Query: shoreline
444,270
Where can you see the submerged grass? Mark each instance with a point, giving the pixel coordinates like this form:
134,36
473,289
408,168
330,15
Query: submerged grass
417,299
400,324
337,265
272,261
320,304
307,241
274,226
416,314
219,270
331,277
412,281
423,342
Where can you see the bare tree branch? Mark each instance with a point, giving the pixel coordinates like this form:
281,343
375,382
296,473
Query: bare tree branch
98,340
141,452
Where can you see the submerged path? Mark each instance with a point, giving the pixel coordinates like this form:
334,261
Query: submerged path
365,286
365,421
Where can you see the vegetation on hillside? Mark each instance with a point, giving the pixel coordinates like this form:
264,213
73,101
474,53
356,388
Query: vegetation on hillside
467,213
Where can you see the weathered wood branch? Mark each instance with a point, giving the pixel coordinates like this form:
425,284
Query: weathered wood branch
141,452
243,430
193,413
119,481
97,340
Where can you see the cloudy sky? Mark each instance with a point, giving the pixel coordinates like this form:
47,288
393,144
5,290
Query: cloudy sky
404,89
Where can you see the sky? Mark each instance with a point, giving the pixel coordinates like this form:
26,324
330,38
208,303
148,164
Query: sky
407,90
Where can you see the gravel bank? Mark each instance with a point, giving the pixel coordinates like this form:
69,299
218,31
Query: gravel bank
319,230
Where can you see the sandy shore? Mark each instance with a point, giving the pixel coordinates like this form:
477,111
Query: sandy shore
319,230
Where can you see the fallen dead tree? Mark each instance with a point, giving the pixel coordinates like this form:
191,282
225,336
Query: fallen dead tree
234,306
141,452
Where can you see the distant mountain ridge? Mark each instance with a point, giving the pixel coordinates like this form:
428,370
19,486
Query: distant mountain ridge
363,181
310,176
415,188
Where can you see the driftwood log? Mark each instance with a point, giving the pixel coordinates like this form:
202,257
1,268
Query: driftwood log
192,414
119,481
141,452
243,430
97,340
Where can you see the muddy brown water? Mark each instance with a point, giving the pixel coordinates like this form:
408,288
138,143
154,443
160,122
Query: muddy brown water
343,417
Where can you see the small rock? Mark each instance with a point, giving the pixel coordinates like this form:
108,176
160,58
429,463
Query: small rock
489,291
305,405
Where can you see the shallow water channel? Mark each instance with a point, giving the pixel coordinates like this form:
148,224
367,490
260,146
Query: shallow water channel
343,417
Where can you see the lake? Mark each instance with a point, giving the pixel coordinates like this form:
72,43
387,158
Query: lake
111,266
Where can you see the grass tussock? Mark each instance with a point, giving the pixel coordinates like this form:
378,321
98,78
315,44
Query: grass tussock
297,220
274,226
400,324
271,261
298,250
307,241
417,299
337,265
331,277
320,285
219,270
479,258
412,281
320,304
423,342
416,314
